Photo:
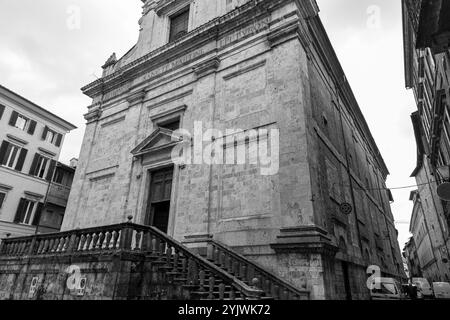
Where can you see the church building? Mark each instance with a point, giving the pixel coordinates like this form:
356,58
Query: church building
232,121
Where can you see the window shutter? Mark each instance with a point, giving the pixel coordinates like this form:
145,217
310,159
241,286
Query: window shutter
34,164
32,127
2,198
2,109
21,160
59,140
38,214
3,149
13,119
51,170
20,214
44,133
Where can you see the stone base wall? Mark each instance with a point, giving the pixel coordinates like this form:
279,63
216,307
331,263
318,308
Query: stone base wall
120,276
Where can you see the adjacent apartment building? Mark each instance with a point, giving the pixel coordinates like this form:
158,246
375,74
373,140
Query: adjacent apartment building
317,214
33,184
427,73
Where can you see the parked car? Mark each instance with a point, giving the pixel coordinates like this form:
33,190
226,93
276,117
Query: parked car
410,291
424,290
387,289
441,290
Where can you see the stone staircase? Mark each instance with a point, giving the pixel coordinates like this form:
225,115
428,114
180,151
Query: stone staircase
159,267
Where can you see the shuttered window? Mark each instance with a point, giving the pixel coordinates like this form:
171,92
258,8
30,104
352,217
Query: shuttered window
52,136
179,25
12,156
28,212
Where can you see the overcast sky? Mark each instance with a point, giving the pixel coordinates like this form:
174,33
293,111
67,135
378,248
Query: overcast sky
47,54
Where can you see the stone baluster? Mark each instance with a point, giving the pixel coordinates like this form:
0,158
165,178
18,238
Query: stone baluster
216,255
250,273
114,239
243,272
151,247
221,291
41,246
162,247
184,265
137,241
155,246
31,248
101,239
212,283
73,242
202,280
175,260
46,246
168,253
94,241
210,252
82,242
108,237
88,242
275,291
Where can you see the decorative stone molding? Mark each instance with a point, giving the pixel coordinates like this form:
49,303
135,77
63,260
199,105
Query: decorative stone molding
111,61
17,140
169,114
47,152
94,114
163,6
283,34
307,239
5,187
136,98
33,196
206,67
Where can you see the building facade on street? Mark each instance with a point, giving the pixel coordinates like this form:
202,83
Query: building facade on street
320,216
31,139
427,73
411,259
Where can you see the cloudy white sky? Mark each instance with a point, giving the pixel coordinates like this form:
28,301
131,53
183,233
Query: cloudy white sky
47,56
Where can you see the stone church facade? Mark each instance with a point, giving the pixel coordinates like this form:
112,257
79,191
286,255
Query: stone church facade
260,66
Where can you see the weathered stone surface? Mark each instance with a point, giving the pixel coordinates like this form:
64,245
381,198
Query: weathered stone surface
269,71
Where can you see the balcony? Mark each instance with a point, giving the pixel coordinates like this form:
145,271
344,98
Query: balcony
58,194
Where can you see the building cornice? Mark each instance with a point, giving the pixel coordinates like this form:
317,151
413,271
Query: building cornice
208,31
35,109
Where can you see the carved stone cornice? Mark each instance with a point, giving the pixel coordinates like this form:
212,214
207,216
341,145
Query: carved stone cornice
136,97
306,239
207,67
94,114
283,34
191,41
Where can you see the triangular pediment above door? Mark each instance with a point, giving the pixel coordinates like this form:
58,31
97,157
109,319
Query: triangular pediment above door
160,139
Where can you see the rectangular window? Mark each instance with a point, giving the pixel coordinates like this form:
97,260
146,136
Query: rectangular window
179,24
2,199
52,136
59,175
25,212
12,156
41,167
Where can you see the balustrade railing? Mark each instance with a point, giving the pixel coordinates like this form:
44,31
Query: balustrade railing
200,276
251,273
